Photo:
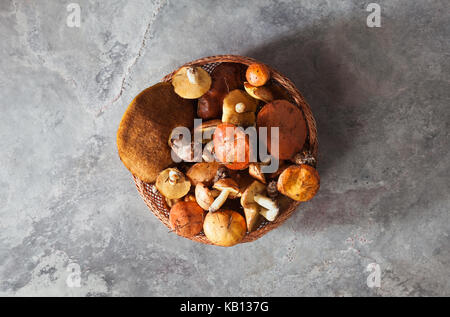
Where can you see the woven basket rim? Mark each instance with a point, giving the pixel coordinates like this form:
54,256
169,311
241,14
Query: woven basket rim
149,193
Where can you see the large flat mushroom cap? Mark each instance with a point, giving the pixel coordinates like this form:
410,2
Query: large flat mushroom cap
291,123
146,126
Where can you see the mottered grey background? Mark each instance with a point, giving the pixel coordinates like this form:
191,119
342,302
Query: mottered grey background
380,97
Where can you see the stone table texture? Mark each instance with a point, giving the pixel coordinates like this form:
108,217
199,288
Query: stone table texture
380,96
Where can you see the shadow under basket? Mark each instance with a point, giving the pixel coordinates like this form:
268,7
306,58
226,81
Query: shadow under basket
156,202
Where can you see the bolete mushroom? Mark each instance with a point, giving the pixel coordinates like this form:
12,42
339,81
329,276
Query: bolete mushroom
299,182
205,196
261,93
254,199
202,172
231,146
225,78
239,108
191,82
291,126
228,189
257,74
172,184
186,218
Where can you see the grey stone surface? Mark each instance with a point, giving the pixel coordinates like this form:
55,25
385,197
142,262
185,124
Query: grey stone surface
380,96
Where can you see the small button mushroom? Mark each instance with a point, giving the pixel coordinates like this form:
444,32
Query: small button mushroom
257,74
228,189
208,153
261,93
184,150
172,184
299,182
291,125
191,82
239,108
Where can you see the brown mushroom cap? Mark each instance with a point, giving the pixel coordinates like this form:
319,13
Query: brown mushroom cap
191,82
146,126
186,218
172,189
299,182
291,123
254,169
203,172
229,184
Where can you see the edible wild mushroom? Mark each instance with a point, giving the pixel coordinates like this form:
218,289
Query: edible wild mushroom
299,182
172,184
254,169
239,108
203,172
191,82
261,93
257,74
228,188
254,199
232,146
205,196
291,125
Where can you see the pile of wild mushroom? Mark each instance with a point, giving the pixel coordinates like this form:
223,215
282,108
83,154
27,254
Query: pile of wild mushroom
223,191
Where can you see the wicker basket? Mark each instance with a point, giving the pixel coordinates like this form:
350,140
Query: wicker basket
157,203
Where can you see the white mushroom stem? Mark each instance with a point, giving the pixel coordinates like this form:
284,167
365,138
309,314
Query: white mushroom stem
269,208
173,177
240,107
192,75
220,200
269,214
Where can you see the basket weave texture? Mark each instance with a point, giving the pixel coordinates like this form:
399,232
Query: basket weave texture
156,202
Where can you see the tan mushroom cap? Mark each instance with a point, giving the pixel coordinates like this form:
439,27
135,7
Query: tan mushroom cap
254,169
239,108
261,93
172,184
247,198
203,196
299,182
229,184
251,208
191,82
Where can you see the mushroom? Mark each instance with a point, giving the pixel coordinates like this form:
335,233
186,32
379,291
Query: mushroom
191,82
261,93
254,169
205,196
305,157
291,125
251,208
228,188
257,74
203,172
207,129
299,182
231,146
239,108
208,153
184,150
172,184
254,199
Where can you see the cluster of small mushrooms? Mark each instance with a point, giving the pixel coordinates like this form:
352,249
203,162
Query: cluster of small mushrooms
221,195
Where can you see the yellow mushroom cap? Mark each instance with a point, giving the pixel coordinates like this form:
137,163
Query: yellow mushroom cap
191,82
172,184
